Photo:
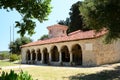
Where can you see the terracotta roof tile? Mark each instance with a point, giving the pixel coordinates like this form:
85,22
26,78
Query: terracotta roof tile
77,35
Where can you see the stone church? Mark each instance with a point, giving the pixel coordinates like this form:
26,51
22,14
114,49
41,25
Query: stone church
74,49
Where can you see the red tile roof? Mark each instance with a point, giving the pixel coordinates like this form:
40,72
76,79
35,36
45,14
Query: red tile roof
77,35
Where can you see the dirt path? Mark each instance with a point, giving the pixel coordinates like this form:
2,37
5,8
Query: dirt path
17,66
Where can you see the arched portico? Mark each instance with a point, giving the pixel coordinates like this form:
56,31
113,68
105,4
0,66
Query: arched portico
54,54
65,54
61,55
45,56
33,56
77,54
28,56
38,55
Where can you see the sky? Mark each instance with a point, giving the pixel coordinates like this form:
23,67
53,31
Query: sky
60,11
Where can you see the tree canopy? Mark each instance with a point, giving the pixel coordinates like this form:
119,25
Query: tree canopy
64,22
75,17
15,46
75,21
99,14
45,36
29,10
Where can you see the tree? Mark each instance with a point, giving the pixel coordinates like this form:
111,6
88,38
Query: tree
45,36
29,10
64,22
75,21
99,14
15,46
75,18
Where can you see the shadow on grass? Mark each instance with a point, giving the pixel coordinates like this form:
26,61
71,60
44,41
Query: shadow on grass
104,75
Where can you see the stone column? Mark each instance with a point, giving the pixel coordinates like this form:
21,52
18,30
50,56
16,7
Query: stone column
23,55
31,59
31,56
42,57
71,59
60,57
49,57
36,56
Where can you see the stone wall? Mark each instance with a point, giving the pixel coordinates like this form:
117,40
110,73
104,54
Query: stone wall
107,53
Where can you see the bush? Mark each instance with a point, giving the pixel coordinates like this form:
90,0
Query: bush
4,56
14,76
8,76
24,76
14,57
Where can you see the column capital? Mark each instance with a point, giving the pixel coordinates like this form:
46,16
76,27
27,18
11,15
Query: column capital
70,52
59,51
36,51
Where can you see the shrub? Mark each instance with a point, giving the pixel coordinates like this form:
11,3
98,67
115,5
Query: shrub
14,76
9,76
4,56
14,57
24,76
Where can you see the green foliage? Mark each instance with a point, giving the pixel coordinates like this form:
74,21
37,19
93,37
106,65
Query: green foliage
99,14
75,18
4,55
24,76
6,52
14,57
75,21
14,76
15,46
8,76
64,22
29,10
45,36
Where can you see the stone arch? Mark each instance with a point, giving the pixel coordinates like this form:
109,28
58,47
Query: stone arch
54,54
65,54
45,56
38,55
33,55
77,54
28,55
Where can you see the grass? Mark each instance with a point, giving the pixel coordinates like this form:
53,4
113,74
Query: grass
6,63
111,72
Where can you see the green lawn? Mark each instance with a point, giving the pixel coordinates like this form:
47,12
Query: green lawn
67,73
111,72
6,63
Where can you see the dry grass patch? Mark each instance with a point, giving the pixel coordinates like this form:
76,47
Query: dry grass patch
72,73
54,73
